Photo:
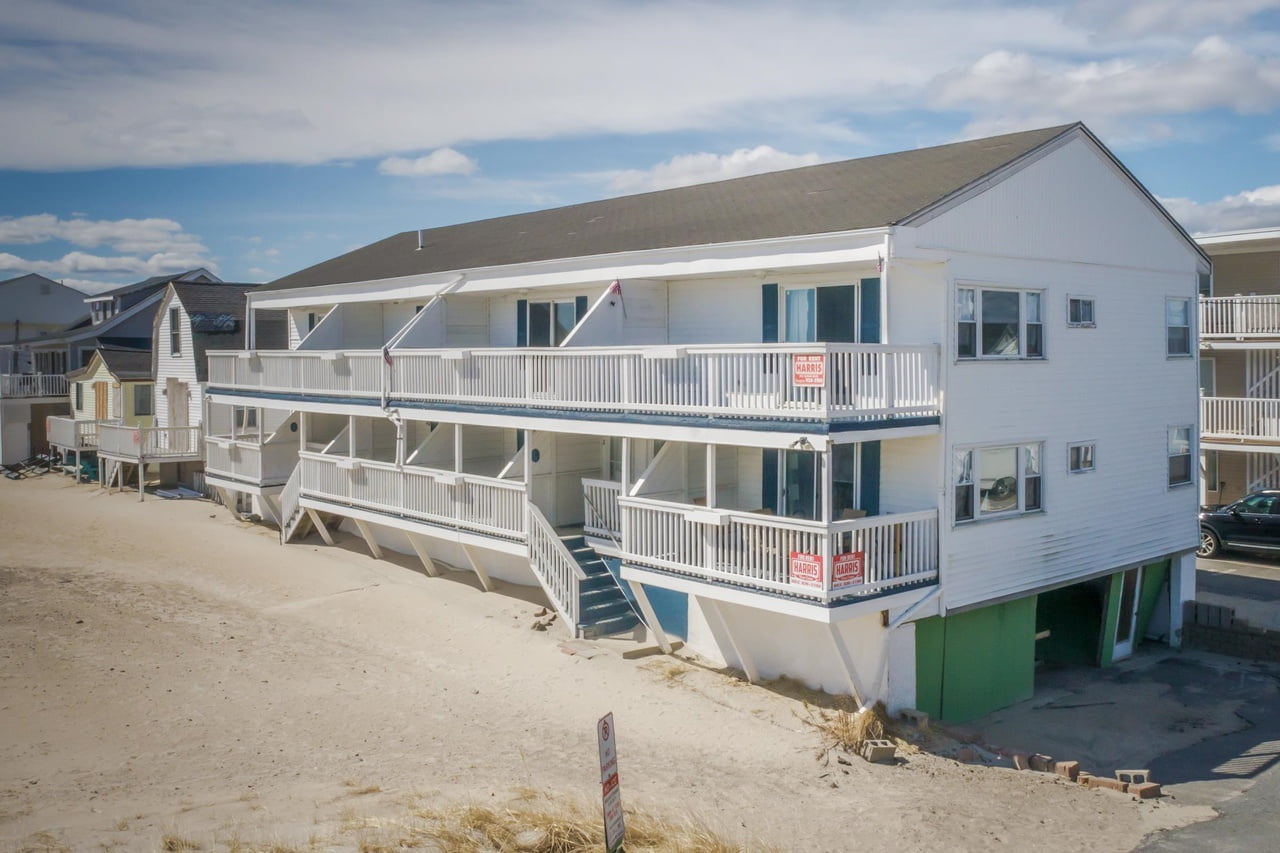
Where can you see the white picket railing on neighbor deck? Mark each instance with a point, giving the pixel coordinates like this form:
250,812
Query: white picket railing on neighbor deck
600,507
483,504
1240,419
555,568
33,385
71,434
1240,317
149,443
237,459
754,550
816,381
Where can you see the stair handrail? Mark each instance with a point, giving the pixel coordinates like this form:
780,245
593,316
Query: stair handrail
290,496
543,542
607,532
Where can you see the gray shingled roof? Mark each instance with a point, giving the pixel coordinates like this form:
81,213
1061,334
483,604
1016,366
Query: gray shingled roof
869,192
154,283
125,364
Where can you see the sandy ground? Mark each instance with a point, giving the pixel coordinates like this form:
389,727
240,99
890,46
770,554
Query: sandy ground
169,670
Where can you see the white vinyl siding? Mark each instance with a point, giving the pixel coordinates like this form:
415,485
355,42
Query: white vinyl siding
181,367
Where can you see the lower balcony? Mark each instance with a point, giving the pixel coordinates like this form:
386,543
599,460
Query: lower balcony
248,461
487,506
150,444
69,434
824,563
32,385
1229,422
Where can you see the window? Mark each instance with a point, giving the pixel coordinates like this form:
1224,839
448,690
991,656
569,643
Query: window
246,417
1080,457
999,323
311,320
175,332
550,323
998,481
142,400
1177,321
79,397
1080,312
1179,455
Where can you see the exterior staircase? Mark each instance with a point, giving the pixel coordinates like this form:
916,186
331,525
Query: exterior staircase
292,515
603,609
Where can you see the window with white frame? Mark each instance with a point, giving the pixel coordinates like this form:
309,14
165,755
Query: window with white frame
998,481
175,332
1179,455
142,400
79,396
1080,457
994,323
1080,312
1177,321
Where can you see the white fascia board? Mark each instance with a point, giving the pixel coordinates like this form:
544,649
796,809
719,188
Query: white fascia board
1241,242
772,256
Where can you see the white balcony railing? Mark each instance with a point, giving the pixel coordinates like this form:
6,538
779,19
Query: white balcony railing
804,559
1241,419
71,434
1240,317
601,514
248,461
33,385
763,381
149,443
483,504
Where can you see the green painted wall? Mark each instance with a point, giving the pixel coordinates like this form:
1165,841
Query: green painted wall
1107,654
973,663
1073,617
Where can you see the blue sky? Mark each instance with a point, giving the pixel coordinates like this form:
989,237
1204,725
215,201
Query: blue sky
255,138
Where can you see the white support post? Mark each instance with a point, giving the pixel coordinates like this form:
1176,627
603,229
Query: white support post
650,617
367,535
626,465
302,430
711,608
318,524
420,549
141,480
1182,588
710,476
846,662
479,569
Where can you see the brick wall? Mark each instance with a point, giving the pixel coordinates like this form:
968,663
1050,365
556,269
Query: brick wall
1213,628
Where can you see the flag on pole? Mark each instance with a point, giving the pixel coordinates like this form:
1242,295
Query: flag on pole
879,263
386,356
616,287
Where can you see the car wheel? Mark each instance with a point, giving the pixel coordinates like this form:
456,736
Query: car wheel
1209,543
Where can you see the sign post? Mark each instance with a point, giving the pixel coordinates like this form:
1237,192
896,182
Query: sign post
615,828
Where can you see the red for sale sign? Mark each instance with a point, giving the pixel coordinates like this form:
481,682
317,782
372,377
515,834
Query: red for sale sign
847,569
806,569
809,370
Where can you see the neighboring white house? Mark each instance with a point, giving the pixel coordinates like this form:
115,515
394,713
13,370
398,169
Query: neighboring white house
898,426
1239,327
32,388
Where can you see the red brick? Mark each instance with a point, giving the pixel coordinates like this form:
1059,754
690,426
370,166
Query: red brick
1109,784
1042,763
1146,790
1067,769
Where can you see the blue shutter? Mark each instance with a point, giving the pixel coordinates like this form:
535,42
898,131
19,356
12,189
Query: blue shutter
769,313
869,328
522,322
870,485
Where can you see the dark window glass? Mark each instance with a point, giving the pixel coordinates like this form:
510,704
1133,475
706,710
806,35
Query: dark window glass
1000,321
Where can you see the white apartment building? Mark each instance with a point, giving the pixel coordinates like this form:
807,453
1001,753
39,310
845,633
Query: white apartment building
898,426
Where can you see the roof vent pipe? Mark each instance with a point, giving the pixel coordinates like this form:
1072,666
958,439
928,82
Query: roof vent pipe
419,249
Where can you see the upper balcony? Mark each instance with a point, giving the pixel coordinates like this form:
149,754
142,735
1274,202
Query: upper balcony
1239,320
32,385
149,444
775,382
1239,423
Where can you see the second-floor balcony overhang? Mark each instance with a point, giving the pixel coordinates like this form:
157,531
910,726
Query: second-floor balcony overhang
780,383
1228,322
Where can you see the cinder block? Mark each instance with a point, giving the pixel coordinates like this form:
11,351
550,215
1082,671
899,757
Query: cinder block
879,751
1084,777
1134,777
1109,784
1041,763
1067,769
1146,790
915,717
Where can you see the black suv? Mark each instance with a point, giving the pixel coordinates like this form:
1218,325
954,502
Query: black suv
1250,524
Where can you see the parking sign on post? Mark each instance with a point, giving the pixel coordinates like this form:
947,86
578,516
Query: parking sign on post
614,826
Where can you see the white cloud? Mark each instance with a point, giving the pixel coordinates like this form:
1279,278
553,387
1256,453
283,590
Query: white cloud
1256,208
1166,16
83,262
1121,96
685,169
442,161
143,247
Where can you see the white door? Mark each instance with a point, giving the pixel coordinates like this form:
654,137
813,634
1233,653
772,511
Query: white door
1127,613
